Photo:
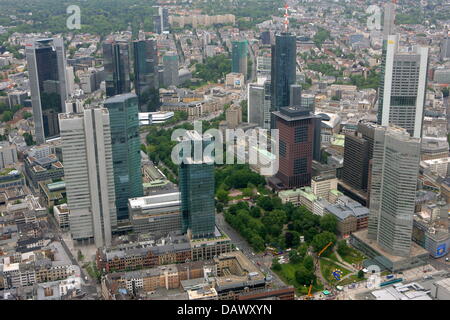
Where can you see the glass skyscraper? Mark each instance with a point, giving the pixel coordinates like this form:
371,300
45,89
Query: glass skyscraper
283,73
47,73
116,59
239,57
126,148
146,74
197,190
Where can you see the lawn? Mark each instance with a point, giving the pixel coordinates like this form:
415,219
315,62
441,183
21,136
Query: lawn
350,280
287,274
354,256
327,267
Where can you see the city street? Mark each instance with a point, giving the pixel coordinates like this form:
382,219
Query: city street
263,261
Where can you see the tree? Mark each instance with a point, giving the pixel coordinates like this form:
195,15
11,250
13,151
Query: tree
29,139
222,196
292,239
308,263
342,248
328,222
294,256
255,212
7,116
304,276
265,202
360,274
276,265
219,207
321,240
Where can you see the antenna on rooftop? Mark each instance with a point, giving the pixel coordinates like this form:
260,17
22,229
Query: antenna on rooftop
286,18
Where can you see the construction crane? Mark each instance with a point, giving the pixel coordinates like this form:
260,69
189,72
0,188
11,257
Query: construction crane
309,296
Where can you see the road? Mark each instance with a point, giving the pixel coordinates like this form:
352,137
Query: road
90,286
264,262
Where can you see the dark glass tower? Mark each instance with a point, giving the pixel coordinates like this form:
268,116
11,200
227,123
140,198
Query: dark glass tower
126,148
197,190
283,69
239,57
116,59
47,72
146,74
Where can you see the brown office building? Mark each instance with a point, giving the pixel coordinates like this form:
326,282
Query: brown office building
296,144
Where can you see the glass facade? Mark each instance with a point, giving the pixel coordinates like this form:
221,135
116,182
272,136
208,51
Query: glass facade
197,199
239,57
283,69
146,74
46,65
116,59
126,147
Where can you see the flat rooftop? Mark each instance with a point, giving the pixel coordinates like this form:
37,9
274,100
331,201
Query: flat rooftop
416,250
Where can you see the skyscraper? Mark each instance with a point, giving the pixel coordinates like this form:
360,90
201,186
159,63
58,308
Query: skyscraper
445,46
297,142
88,169
161,21
126,148
259,104
255,100
402,91
239,57
283,73
197,189
47,73
171,65
146,74
116,60
395,168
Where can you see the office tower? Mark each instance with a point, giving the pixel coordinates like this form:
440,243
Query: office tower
88,173
395,168
266,37
283,69
402,92
146,74
297,142
70,81
161,21
445,47
126,149
295,95
389,19
197,188
239,57
255,98
170,62
47,74
356,162
116,60
259,100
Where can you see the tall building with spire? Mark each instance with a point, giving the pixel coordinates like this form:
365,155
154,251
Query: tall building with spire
403,79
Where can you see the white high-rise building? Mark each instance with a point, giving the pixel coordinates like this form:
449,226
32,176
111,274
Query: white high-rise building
88,168
395,167
402,90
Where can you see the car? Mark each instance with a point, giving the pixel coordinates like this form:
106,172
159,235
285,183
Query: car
446,259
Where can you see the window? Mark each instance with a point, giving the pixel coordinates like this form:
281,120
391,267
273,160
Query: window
301,134
282,149
300,166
